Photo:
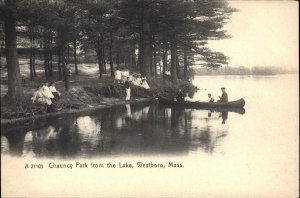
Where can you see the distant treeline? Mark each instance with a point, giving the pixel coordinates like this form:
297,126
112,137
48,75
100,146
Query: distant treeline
257,70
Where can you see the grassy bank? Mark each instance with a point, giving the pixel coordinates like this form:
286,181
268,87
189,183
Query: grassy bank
89,94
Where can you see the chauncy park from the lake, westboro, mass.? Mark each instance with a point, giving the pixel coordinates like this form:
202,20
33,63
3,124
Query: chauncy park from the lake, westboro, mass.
190,90
87,165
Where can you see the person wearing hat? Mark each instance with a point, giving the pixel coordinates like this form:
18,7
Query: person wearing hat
224,97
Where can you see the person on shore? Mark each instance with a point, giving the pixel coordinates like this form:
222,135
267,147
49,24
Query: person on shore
135,81
46,91
224,97
39,96
145,84
139,80
118,76
54,91
127,88
210,98
179,96
187,98
124,75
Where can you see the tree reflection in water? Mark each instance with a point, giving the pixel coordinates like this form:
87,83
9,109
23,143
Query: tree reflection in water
128,129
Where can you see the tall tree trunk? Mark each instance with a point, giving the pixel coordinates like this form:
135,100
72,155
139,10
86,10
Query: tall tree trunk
75,56
154,57
50,55
185,64
177,66
99,63
147,54
2,44
30,63
15,90
59,64
104,60
51,62
165,58
151,56
111,64
132,58
173,60
118,59
141,42
68,51
33,63
64,68
45,58
31,56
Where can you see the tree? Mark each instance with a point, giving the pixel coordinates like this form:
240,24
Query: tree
15,90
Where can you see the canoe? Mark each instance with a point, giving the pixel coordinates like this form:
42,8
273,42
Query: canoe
232,104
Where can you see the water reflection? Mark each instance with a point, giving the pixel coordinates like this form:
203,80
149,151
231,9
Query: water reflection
128,129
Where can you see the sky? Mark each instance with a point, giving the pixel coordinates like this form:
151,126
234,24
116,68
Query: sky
264,33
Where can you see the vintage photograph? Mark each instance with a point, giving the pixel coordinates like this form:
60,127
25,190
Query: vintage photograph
149,98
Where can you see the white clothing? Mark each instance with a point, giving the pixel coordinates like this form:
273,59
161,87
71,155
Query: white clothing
211,98
145,85
118,74
39,97
139,81
47,92
135,82
187,98
125,73
127,94
128,110
53,89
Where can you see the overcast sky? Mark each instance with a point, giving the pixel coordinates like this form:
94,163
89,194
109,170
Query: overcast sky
264,33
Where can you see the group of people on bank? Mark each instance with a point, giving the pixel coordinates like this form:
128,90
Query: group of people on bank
181,97
128,78
135,79
46,94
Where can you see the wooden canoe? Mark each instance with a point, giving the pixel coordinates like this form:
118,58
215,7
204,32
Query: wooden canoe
199,105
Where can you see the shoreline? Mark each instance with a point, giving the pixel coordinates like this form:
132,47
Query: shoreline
76,111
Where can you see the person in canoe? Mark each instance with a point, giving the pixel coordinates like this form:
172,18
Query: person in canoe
210,98
224,97
179,96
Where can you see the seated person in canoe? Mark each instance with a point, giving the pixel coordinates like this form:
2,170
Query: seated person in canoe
210,98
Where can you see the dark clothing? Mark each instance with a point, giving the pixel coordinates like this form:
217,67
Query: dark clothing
224,97
127,84
56,95
180,97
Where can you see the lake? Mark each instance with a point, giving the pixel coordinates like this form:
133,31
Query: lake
257,149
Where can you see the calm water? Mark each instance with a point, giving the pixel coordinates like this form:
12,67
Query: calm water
268,125
225,154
